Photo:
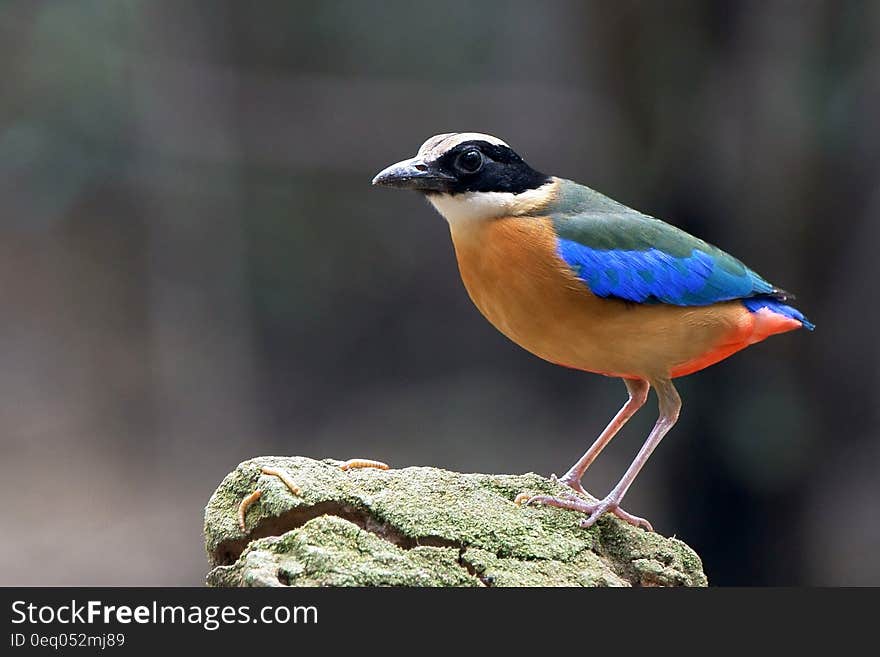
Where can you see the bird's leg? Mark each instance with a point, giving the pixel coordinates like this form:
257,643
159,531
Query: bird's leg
670,405
638,394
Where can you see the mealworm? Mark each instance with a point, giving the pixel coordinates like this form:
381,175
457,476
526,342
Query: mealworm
352,464
283,476
522,497
245,505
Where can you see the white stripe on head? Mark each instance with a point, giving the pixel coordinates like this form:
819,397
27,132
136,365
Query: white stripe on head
439,144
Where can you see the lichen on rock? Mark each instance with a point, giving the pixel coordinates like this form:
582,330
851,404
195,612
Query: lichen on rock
422,526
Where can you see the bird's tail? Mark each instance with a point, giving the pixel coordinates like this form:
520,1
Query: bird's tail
755,304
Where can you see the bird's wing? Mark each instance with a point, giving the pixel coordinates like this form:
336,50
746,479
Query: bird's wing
621,253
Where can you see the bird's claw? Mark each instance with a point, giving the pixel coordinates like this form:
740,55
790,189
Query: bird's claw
593,510
570,502
606,506
635,521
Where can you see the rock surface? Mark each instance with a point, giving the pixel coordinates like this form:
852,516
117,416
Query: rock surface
422,526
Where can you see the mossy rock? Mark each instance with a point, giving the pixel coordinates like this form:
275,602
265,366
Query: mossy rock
422,526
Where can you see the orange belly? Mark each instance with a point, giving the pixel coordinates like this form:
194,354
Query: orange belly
515,277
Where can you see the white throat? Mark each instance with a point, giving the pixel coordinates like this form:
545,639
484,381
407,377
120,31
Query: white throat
474,207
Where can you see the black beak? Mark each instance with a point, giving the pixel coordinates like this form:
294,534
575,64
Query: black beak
414,174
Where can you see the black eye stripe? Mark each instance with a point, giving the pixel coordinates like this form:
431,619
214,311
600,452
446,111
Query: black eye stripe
499,169
494,152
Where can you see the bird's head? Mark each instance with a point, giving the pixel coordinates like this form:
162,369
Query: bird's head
468,175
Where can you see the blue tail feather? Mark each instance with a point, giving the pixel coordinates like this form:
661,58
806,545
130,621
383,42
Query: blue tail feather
754,304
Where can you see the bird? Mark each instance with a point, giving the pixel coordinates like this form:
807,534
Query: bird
585,282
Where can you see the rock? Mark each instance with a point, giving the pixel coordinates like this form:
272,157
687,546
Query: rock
422,526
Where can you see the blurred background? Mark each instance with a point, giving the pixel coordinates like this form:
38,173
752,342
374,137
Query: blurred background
195,270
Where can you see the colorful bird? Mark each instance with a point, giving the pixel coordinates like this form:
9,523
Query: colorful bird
583,281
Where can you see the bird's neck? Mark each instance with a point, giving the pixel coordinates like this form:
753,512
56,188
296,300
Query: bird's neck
468,210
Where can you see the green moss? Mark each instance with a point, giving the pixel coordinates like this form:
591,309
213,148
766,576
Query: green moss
587,569
422,527
330,551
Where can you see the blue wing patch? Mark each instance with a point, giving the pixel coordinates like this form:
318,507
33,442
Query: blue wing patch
654,276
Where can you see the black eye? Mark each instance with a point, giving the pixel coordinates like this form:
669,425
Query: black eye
470,161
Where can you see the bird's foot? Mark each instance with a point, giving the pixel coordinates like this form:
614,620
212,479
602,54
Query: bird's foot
593,510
